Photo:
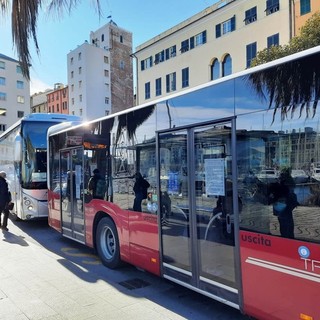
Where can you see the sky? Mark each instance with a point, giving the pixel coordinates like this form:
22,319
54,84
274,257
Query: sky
58,35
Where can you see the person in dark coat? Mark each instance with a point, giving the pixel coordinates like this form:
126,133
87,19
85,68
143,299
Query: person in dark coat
140,189
97,185
284,200
5,199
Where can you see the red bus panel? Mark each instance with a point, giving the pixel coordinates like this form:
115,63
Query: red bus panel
280,277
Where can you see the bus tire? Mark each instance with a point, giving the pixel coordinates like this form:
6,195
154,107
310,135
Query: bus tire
107,243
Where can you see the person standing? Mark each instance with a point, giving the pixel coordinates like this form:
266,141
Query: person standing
5,199
140,189
284,200
97,185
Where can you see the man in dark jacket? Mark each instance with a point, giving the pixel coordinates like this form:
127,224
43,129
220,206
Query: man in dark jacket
4,200
97,185
140,189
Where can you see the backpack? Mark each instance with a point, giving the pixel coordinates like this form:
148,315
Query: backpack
101,188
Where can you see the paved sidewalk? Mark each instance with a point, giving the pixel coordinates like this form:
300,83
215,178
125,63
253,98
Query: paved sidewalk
36,283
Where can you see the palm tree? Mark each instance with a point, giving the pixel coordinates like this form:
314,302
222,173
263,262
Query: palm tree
24,15
290,86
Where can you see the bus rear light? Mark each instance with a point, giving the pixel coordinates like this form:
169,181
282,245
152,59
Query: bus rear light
305,317
153,260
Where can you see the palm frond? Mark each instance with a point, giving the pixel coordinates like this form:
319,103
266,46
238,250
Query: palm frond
289,86
24,24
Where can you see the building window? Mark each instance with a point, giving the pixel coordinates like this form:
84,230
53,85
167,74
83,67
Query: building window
273,40
272,6
20,114
158,87
226,27
80,70
71,60
106,73
72,87
58,107
80,97
198,40
159,57
106,59
171,52
3,127
79,56
121,65
215,69
147,90
226,65
80,112
102,37
305,7
121,38
251,15
80,84
251,53
3,96
185,77
71,74
184,46
107,112
19,69
2,81
20,99
106,100
20,85
171,82
72,101
2,65
146,64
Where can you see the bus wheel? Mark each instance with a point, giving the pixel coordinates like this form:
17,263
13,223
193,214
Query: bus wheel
108,243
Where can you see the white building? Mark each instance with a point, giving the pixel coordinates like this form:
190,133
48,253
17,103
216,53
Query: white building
100,73
14,92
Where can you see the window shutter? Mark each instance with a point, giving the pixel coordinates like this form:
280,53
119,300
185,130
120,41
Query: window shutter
233,23
218,30
204,36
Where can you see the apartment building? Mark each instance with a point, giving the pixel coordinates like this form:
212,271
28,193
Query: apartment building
58,99
302,10
218,41
38,102
14,92
100,73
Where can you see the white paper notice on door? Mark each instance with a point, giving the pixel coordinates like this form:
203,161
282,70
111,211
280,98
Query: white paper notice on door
214,176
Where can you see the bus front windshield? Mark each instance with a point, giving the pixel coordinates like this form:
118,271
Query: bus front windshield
34,150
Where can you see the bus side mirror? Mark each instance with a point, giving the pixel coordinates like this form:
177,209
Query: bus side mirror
17,149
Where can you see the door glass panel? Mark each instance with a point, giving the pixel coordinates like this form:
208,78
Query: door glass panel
214,203
174,202
72,192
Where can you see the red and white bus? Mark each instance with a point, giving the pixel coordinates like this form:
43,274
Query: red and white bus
213,157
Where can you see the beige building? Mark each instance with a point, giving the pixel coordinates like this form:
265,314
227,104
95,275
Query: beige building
38,102
218,41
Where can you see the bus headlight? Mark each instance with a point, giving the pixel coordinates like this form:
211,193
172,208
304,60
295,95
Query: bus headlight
27,202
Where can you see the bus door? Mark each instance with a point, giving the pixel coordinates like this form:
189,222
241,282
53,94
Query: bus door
71,175
197,209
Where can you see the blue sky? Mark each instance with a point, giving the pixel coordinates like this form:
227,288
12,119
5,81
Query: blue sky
58,35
